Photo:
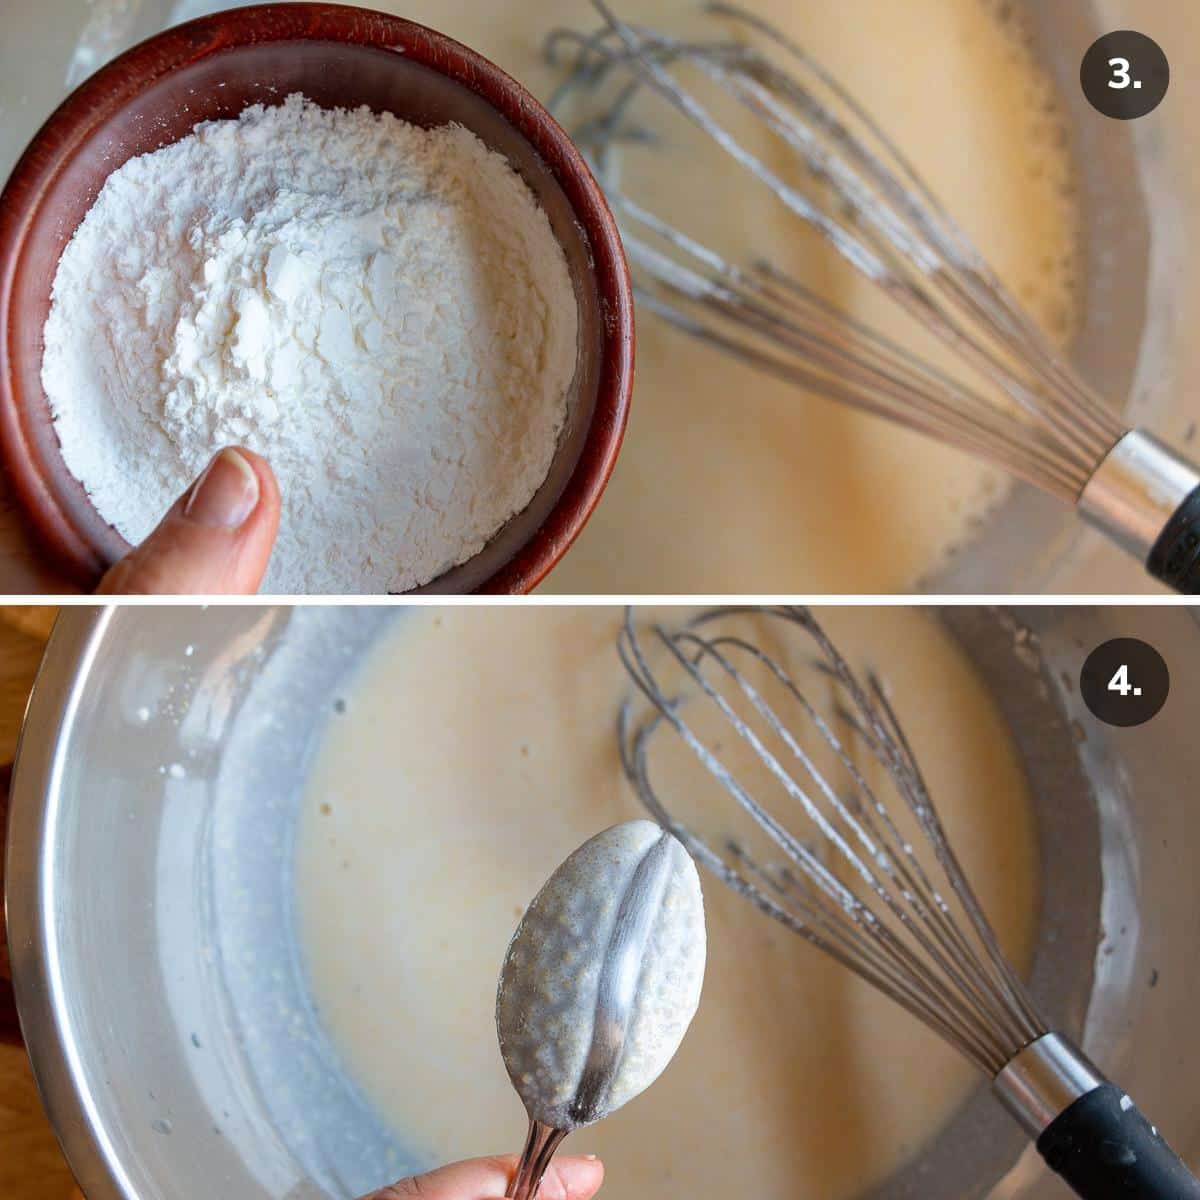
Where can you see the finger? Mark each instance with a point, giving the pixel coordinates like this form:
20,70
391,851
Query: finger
216,538
570,1177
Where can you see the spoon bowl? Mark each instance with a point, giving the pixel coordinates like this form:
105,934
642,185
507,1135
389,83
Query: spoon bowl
599,985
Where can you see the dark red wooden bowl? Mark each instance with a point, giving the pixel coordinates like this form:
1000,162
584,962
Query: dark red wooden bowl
338,56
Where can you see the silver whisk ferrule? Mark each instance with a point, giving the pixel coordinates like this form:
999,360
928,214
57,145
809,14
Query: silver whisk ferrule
1136,491
1042,1080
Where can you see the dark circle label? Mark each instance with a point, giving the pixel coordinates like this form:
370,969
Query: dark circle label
1125,75
1124,682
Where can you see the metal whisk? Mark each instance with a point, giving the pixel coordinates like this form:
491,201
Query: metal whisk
907,922
1029,412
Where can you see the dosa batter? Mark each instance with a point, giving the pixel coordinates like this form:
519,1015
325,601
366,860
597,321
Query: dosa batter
477,748
732,482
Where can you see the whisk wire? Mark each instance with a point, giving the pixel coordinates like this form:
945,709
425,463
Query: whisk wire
882,848
925,214
836,938
1050,430
911,946
898,234
875,963
1001,972
890,744
854,374
732,305
875,375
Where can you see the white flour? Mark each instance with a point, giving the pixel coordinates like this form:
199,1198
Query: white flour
382,311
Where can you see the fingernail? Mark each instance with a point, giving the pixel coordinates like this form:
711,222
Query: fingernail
590,1157
226,494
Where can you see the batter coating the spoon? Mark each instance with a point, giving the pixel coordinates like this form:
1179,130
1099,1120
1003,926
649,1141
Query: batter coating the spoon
603,975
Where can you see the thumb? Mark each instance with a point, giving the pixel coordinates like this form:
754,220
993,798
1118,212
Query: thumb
569,1178
216,538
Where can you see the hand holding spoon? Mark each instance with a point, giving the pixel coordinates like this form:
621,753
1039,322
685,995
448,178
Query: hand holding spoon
599,985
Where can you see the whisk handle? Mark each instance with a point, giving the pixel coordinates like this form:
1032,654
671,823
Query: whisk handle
1175,558
1106,1150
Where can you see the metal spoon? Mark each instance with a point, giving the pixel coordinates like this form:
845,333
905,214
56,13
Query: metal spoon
599,985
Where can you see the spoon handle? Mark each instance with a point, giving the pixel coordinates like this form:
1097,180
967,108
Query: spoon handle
540,1145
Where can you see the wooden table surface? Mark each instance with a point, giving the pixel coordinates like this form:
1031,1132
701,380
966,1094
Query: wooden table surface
22,570
31,1166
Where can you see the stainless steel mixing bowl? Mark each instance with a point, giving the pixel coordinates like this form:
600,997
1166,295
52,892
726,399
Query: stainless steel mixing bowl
1141,196
149,898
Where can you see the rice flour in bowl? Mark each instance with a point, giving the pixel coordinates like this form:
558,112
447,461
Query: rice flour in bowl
417,310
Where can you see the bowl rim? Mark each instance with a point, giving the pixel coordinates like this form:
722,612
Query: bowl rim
52,515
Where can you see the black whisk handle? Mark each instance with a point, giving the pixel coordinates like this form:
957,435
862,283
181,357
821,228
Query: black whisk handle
1175,558
1106,1150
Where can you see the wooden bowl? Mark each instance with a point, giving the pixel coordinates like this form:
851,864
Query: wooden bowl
338,56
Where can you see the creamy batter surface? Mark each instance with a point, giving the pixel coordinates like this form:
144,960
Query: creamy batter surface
729,481
476,750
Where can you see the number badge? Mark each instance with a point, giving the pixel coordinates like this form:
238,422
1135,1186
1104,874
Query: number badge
1125,682
1125,75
